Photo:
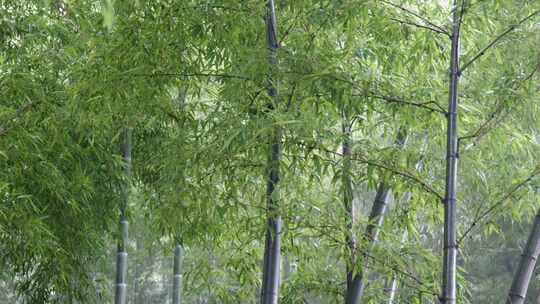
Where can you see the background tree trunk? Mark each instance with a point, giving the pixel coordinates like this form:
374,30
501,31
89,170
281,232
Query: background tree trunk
177,275
137,297
120,295
355,289
392,290
525,270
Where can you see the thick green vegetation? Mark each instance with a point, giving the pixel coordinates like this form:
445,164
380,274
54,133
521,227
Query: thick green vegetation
306,151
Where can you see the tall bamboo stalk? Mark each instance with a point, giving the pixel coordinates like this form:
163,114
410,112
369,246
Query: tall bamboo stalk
450,247
120,295
392,290
137,297
348,200
525,270
355,288
405,201
287,267
272,254
177,275
178,251
394,283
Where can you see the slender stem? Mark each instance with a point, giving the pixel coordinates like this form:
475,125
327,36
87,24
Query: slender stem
348,201
525,270
355,290
392,290
450,247
272,250
177,275
121,258
405,201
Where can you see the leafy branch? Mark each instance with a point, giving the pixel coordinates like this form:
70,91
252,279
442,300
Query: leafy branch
489,124
497,39
217,75
383,166
407,175
421,286
481,217
392,99
418,25
429,25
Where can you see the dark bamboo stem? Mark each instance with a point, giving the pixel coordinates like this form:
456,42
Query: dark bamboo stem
348,201
272,250
450,247
525,270
355,288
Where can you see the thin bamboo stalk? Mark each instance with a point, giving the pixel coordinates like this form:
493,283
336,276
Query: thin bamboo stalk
525,270
177,275
355,289
120,295
272,250
450,247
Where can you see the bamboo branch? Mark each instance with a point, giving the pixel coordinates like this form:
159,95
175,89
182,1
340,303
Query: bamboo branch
221,7
391,99
217,75
407,175
497,39
426,27
488,125
405,273
432,25
421,287
497,204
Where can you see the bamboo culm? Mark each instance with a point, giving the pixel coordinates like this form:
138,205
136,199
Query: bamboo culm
272,250
120,294
348,201
178,250
394,283
525,270
405,201
355,289
392,290
448,295
177,275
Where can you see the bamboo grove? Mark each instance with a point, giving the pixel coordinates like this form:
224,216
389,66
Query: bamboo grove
307,151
